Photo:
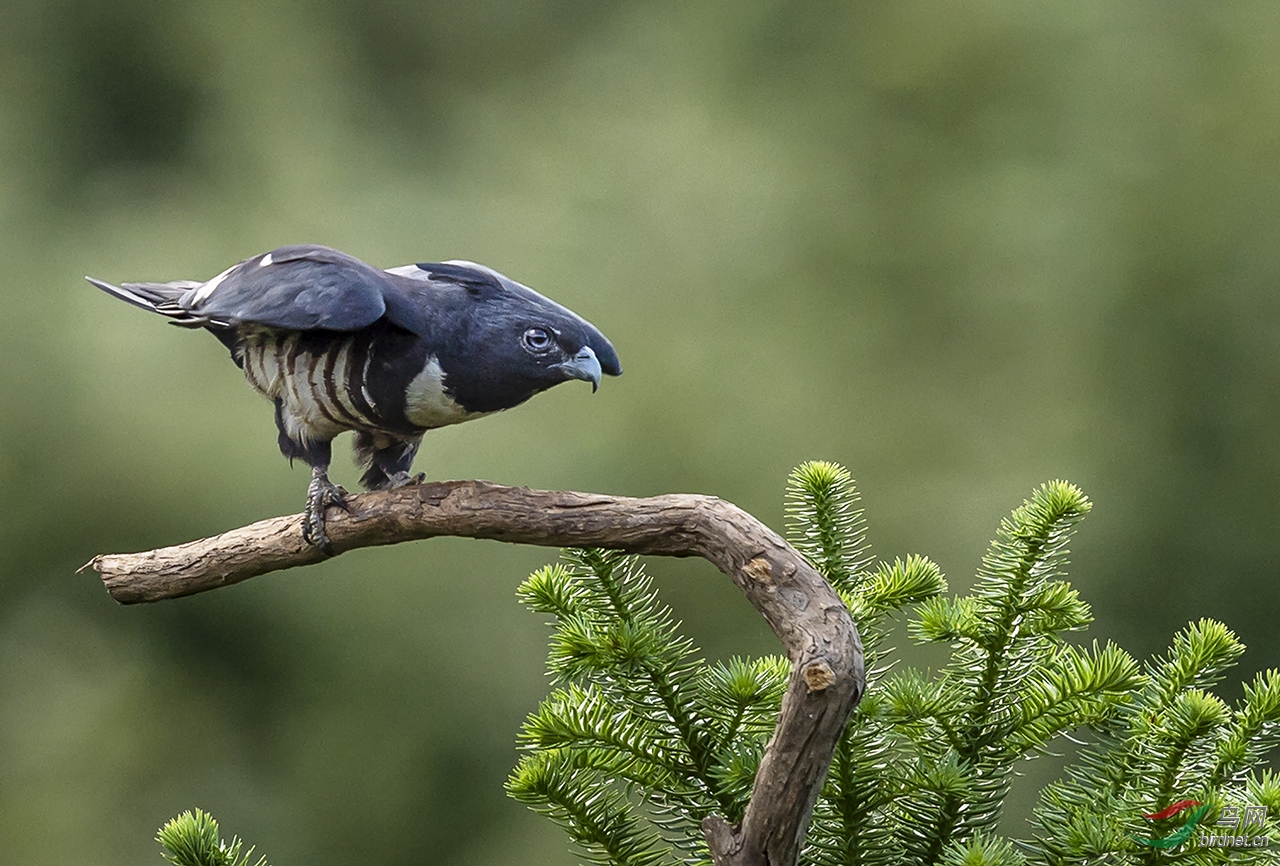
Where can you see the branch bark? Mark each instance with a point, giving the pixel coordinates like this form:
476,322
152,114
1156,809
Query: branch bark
815,628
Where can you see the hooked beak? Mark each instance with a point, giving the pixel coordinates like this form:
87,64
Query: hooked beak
585,366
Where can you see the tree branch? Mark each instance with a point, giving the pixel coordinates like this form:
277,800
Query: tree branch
813,625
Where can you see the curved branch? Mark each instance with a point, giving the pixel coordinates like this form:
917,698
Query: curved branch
804,612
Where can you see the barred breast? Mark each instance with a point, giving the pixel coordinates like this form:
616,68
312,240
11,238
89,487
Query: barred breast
379,380
319,382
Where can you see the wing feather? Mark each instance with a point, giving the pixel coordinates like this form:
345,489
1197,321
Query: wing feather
297,288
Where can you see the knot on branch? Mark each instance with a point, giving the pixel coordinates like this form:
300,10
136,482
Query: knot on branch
758,569
818,676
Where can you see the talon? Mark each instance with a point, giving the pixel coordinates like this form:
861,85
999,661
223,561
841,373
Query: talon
321,493
317,536
404,479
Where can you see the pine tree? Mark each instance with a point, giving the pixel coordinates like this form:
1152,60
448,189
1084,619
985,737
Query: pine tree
643,739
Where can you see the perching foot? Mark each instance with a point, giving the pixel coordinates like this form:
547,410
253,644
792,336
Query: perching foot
403,479
321,493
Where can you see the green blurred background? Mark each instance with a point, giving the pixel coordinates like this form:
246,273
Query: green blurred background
961,247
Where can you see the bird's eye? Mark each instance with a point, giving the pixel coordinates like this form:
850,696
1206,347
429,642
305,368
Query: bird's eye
536,340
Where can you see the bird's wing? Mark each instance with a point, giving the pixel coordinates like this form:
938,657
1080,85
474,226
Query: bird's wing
461,273
297,288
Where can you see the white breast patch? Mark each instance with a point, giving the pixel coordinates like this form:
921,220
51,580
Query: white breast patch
426,403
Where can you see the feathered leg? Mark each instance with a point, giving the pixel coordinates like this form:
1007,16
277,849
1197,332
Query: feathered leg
321,492
388,459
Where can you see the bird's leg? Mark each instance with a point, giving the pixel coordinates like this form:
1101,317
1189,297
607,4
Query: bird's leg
298,442
388,460
321,493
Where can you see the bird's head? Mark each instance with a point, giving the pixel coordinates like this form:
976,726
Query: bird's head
514,342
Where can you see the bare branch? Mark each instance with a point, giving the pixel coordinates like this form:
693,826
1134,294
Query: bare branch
813,625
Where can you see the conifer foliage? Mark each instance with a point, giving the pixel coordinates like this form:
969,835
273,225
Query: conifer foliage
637,713
192,839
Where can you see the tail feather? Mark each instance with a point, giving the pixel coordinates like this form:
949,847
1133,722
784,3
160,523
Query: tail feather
159,298
126,294
164,291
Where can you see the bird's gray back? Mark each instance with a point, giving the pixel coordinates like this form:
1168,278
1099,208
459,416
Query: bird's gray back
296,288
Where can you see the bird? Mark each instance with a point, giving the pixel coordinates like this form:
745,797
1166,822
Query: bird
340,345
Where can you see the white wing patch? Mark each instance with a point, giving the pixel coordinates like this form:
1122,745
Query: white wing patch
427,405
409,271
203,293
266,260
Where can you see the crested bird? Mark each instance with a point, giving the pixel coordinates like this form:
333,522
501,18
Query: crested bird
337,344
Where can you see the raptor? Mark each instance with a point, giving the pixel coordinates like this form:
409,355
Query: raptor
337,344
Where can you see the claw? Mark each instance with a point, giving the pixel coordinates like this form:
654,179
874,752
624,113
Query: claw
321,493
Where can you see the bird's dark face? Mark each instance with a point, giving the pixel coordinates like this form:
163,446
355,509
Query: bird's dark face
518,343
553,355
